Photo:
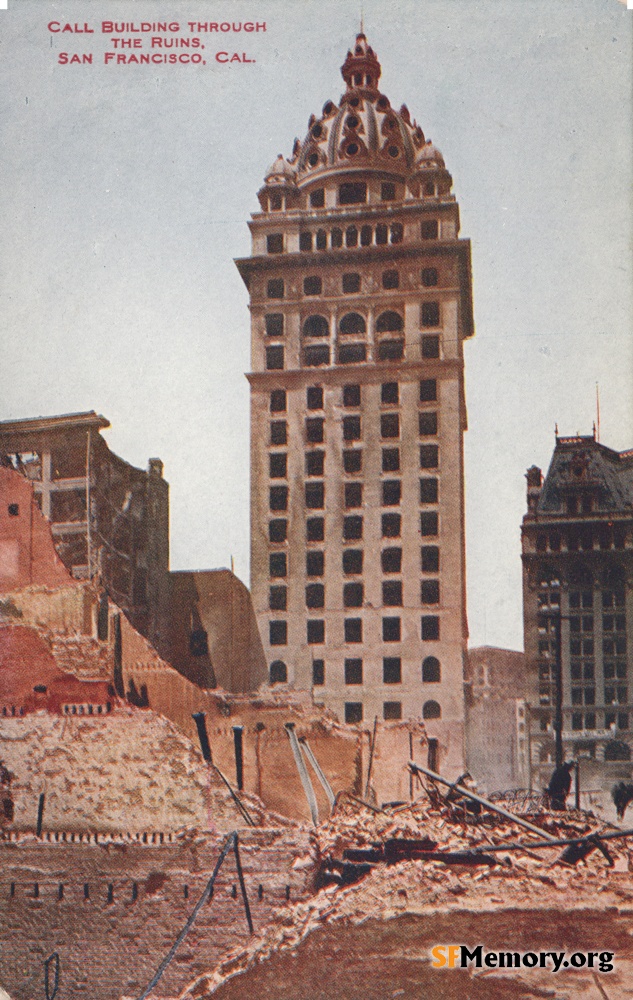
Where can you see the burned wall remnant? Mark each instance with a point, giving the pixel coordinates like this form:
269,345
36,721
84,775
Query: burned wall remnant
109,520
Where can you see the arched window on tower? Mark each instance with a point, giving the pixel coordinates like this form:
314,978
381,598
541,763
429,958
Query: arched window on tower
352,323
278,672
431,710
431,670
389,322
316,326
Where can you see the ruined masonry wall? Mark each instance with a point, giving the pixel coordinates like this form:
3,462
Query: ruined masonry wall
122,907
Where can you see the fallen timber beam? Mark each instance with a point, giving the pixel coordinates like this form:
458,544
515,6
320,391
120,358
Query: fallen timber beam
589,838
418,768
316,767
354,798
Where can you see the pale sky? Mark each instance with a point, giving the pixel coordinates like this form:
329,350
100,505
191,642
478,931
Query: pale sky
126,192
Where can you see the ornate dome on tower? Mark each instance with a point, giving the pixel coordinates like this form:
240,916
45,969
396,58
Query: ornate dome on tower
363,132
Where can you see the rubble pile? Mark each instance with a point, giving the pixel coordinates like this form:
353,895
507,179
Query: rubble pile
434,859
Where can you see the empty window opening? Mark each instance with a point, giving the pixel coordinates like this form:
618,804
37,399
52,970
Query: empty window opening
278,564
198,642
316,631
390,279
391,560
431,670
428,390
275,288
278,672
430,347
316,326
389,425
429,277
353,712
315,529
278,466
314,429
389,322
351,395
353,461
352,561
430,592
317,198
274,358
321,239
392,711
313,356
352,323
390,459
315,563
387,191
428,490
431,710
391,492
351,354
429,229
430,314
312,285
274,324
278,431
391,629
275,243
430,628
353,671
278,529
392,593
277,598
391,525
315,595
314,397
353,595
315,496
353,629
382,234
351,284
315,461
353,494
278,401
389,393
278,498
352,193
278,633
427,423
429,456
430,559
318,673
352,527
351,428
392,670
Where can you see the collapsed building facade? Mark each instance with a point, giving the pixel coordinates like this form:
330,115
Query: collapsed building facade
577,539
109,520
360,300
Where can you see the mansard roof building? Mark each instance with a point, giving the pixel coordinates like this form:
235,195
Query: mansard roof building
578,606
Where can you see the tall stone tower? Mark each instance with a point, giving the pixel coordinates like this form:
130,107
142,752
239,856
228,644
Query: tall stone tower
360,295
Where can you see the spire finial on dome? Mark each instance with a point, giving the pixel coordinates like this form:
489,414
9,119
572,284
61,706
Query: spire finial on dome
361,68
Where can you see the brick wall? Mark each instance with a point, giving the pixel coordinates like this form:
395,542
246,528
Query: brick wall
122,907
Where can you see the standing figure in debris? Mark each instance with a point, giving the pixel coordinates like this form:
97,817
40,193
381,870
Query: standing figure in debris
622,794
559,785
